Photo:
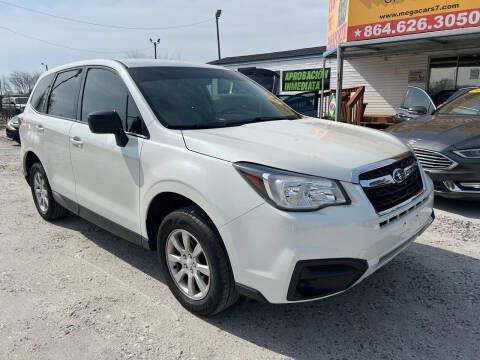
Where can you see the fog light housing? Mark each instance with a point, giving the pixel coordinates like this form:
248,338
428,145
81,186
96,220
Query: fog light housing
471,185
450,185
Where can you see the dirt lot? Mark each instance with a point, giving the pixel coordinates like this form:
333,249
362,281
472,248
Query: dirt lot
70,290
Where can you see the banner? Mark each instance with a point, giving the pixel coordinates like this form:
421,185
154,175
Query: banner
373,19
305,80
337,22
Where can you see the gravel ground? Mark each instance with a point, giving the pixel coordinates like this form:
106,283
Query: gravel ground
71,290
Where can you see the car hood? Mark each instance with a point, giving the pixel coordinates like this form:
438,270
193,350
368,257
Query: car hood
307,146
438,132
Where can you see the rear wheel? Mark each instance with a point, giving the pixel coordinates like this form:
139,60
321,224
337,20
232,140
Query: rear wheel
46,205
194,262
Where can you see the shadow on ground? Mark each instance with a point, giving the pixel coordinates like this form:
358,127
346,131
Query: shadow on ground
423,305
468,209
134,255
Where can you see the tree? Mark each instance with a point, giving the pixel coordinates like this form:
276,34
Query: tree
4,86
23,81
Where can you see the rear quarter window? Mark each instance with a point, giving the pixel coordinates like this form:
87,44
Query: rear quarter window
40,93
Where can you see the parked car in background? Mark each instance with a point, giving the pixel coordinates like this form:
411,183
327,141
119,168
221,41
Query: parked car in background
236,192
442,97
14,104
269,79
447,144
12,127
457,94
417,102
304,103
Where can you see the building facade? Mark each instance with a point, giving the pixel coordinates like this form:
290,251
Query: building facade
385,77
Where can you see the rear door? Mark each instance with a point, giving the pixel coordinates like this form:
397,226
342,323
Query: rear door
415,103
54,127
108,177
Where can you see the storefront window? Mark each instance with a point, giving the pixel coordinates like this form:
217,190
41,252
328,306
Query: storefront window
468,71
443,72
453,73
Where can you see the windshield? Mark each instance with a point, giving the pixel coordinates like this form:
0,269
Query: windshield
193,98
468,104
21,100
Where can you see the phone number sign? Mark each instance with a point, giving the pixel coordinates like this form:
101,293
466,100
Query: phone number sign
354,20
415,25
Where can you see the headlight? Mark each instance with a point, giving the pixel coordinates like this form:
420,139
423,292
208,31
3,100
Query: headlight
469,153
291,191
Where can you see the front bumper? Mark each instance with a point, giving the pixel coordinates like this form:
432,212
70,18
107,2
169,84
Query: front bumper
267,247
452,183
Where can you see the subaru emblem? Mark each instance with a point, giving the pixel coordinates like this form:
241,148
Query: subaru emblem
399,176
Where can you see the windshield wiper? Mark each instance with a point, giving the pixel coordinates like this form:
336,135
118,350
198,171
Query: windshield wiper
232,123
260,119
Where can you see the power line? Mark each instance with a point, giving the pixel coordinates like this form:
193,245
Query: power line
111,26
66,46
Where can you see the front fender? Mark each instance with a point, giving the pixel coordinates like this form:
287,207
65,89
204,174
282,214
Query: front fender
212,184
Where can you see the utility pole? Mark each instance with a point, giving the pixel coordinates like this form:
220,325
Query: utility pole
155,43
217,16
46,66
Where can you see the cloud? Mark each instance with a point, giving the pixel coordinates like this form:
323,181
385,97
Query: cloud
246,27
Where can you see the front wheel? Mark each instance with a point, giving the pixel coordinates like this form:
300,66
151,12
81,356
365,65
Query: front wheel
194,262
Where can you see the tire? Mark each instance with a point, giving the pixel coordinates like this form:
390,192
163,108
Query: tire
49,210
221,291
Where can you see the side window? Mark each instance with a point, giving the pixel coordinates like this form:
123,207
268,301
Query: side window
416,97
104,91
40,93
64,95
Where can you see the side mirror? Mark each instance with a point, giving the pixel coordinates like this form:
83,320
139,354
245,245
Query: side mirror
418,110
108,122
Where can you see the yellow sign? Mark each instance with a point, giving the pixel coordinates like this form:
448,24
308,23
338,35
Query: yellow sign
372,19
337,22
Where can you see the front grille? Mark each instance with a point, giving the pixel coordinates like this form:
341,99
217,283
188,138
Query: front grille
388,196
432,160
388,170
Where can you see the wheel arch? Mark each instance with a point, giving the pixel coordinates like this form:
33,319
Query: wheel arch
29,159
157,211
163,204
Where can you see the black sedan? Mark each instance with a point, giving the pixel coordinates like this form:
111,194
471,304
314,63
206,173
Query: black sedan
12,127
447,144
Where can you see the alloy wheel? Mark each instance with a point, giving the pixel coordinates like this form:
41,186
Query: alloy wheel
41,191
188,264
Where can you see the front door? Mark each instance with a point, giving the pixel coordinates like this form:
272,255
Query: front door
108,177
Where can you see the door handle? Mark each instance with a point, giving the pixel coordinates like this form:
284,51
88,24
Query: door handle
77,142
40,129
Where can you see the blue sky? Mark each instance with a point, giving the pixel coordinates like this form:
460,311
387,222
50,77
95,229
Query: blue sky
246,26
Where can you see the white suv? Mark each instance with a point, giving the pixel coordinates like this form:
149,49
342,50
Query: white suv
236,192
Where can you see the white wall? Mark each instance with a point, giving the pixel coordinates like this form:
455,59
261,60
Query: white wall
385,80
